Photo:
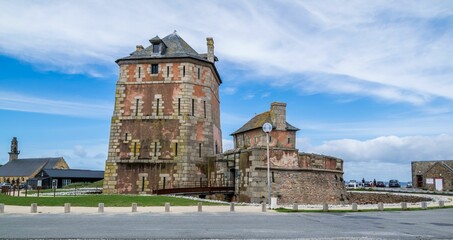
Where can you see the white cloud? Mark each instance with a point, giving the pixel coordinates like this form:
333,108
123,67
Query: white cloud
19,102
228,90
398,51
227,144
384,157
79,151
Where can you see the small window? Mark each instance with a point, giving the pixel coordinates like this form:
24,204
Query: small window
270,138
289,140
156,48
168,71
176,149
135,149
157,107
155,149
179,106
154,68
204,108
139,72
199,150
125,137
193,107
136,106
183,71
198,73
273,177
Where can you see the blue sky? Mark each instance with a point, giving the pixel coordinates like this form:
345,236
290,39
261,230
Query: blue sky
368,82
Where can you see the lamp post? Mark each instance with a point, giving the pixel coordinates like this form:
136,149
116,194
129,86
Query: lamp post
267,128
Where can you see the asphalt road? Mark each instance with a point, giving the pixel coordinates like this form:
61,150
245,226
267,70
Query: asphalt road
432,224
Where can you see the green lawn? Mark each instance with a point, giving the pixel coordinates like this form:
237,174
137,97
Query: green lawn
93,200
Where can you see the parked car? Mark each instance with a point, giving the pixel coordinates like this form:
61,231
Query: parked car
380,184
352,183
393,183
409,185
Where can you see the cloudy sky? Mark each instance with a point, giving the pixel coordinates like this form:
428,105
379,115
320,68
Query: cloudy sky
370,82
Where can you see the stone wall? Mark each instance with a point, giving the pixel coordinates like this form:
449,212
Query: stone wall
295,177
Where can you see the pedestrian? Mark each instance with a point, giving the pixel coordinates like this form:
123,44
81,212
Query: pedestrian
363,182
374,182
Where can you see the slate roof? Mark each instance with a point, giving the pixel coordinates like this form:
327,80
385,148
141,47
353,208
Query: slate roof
175,47
258,121
74,173
27,166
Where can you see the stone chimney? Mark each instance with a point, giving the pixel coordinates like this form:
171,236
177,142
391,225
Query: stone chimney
14,154
210,43
139,48
278,115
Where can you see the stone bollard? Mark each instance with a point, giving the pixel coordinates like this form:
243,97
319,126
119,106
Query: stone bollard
380,206
67,208
167,207
231,207
354,207
325,207
404,206
34,208
295,207
2,208
441,204
100,207
200,207
263,207
134,207
424,205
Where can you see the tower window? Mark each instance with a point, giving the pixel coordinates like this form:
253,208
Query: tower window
204,108
183,71
176,149
155,149
216,148
289,140
199,150
198,73
125,137
273,178
193,107
157,107
135,149
179,106
168,71
154,68
136,106
139,72
155,48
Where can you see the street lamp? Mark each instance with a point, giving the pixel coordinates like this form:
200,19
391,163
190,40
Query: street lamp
267,128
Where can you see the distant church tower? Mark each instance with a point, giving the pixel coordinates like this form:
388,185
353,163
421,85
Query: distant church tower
166,121
14,154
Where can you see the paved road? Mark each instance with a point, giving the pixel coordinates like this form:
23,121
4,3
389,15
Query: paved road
374,225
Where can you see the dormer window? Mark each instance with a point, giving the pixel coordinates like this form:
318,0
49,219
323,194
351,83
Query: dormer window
156,48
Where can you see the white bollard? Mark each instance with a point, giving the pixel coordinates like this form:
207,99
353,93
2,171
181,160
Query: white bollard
200,207
34,208
404,206
167,207
441,204
295,207
2,208
325,207
354,207
231,207
100,207
67,208
381,206
134,207
263,207
424,205
273,202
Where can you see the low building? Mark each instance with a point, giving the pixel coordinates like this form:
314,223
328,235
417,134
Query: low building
20,170
295,177
65,177
433,175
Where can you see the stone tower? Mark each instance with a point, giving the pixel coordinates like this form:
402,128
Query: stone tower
14,154
166,121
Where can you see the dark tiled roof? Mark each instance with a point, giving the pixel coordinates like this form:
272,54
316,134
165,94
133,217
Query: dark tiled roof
27,166
176,47
258,121
74,173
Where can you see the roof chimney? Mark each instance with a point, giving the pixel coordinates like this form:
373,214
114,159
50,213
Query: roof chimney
14,154
139,48
278,115
210,43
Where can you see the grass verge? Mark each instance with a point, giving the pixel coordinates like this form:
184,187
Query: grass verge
108,200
